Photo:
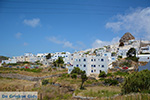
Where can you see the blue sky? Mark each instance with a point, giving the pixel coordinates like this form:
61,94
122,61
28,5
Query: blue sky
41,26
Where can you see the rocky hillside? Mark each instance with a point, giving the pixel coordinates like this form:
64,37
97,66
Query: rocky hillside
126,37
3,58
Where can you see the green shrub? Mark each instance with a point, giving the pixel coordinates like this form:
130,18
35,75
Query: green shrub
45,82
119,56
119,73
126,64
65,75
109,74
74,75
102,74
134,58
32,70
111,81
137,82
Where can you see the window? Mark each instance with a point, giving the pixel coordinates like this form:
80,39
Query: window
102,59
98,65
84,65
102,65
77,65
94,59
84,59
92,71
79,60
91,65
91,59
94,65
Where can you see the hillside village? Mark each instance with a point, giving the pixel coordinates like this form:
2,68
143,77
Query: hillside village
105,73
92,61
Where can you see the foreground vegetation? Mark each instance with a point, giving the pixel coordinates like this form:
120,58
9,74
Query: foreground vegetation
57,88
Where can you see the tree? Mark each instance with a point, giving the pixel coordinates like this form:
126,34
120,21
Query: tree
113,54
84,78
131,52
76,70
102,74
131,55
48,56
58,62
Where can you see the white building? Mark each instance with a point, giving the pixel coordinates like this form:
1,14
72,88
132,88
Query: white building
90,64
65,56
29,57
42,54
144,57
145,49
9,61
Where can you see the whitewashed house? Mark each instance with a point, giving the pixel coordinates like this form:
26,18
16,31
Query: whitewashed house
65,56
29,57
9,61
145,49
90,64
144,57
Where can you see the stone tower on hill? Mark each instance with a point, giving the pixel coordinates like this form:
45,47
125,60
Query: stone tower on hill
126,37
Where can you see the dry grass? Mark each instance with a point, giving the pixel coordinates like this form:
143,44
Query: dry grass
7,84
99,91
35,74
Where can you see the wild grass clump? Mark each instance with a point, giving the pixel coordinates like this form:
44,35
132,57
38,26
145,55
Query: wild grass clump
99,93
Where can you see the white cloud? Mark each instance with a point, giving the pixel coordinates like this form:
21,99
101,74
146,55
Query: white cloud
99,43
63,42
18,35
136,22
25,44
68,44
33,23
55,40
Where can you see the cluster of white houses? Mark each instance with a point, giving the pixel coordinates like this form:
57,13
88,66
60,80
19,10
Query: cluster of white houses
92,61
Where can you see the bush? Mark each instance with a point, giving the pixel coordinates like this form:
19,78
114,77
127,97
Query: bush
65,75
137,82
45,82
109,74
126,64
32,70
74,75
121,73
102,74
119,56
111,82
136,59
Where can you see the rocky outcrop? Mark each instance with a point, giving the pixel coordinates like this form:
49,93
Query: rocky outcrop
126,37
